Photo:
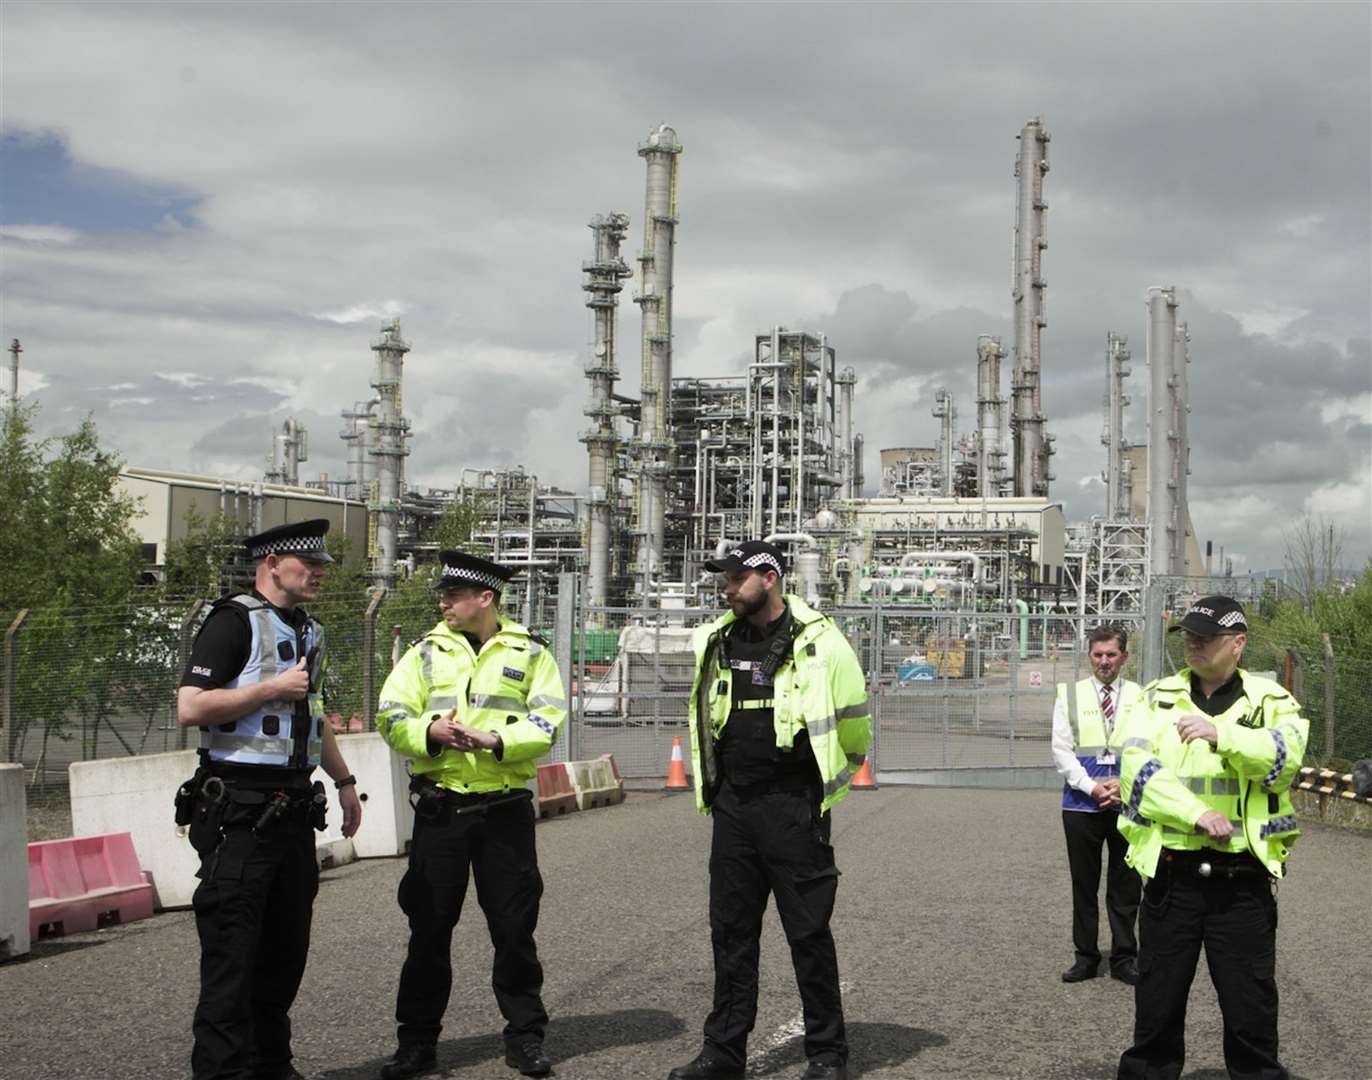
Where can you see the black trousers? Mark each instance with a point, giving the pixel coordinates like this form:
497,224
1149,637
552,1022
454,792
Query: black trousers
252,911
773,843
1236,920
1086,834
496,846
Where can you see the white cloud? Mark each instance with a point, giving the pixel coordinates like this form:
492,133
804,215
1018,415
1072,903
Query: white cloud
41,234
388,309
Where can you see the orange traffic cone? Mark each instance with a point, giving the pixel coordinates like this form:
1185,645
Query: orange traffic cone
863,780
676,770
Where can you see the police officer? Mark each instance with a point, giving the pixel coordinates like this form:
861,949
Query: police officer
1086,721
779,721
252,686
1208,761
474,704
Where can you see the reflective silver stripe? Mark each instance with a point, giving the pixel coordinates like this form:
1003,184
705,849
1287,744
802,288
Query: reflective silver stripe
441,702
819,729
266,642
1143,744
755,703
388,707
838,782
426,661
498,702
547,701
1224,785
316,749
1134,816
261,744
851,712
1196,784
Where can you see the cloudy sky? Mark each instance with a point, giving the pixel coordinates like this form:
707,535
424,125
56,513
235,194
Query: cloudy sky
208,210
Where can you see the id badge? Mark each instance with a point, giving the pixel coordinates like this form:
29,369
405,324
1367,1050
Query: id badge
1105,759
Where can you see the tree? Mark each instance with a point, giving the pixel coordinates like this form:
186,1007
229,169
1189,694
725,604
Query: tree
1314,546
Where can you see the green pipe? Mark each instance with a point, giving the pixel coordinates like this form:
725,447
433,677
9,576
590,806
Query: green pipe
1023,607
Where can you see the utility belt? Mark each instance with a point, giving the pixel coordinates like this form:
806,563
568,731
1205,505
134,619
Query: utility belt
1212,865
208,804
792,785
438,805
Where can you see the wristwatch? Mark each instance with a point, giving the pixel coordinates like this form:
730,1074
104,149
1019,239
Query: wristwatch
341,784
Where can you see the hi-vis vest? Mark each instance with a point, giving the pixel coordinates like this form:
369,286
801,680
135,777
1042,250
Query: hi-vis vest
1090,740
288,734
819,687
1166,785
512,687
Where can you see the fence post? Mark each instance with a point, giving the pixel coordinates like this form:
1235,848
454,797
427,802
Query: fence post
183,655
562,653
8,719
1328,696
369,660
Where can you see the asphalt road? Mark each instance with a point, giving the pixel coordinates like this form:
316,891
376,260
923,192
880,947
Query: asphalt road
953,925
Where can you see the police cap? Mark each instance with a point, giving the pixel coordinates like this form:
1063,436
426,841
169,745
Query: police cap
457,568
1213,615
304,539
750,555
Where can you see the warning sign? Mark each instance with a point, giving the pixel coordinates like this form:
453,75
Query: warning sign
1035,680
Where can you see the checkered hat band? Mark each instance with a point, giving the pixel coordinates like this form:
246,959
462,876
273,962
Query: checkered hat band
490,581
298,545
1231,619
762,559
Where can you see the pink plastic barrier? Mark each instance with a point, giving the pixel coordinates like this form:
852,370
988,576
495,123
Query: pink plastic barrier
555,794
85,882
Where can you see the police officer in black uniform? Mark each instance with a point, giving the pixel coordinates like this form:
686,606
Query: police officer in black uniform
252,687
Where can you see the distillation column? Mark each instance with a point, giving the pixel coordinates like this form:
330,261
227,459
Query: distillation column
1181,465
388,448
990,419
290,446
1162,436
846,380
1031,444
1117,369
603,276
945,412
356,436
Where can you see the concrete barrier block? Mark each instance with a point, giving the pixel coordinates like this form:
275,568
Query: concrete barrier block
595,783
555,793
14,895
83,883
387,817
134,795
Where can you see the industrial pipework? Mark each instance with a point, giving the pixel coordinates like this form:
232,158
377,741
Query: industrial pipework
357,436
603,276
946,413
388,448
1033,446
290,446
661,151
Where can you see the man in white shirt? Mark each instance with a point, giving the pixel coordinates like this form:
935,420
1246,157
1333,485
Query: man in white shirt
1087,720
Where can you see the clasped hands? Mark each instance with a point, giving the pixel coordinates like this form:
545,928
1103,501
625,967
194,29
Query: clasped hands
454,734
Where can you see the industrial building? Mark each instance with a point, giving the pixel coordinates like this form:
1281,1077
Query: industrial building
679,466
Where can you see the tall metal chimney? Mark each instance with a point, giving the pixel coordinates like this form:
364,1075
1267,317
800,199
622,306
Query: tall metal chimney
15,350
357,436
1117,369
388,448
1032,447
1162,436
290,446
945,412
990,417
604,273
661,151
846,380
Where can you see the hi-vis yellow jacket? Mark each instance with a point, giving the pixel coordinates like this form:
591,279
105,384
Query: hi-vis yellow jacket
1166,785
819,687
512,687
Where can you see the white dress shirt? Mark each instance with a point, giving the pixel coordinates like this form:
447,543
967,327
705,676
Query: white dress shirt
1069,768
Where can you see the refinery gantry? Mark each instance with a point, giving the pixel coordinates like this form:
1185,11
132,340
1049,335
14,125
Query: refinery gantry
690,464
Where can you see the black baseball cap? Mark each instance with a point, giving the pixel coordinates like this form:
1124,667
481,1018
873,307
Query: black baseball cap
749,555
1213,615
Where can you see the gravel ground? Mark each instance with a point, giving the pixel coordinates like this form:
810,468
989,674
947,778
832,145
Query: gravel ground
953,925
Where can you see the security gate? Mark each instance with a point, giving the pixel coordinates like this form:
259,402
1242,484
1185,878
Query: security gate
954,694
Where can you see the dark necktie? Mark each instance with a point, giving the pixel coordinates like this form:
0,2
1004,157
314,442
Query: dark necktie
1107,708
